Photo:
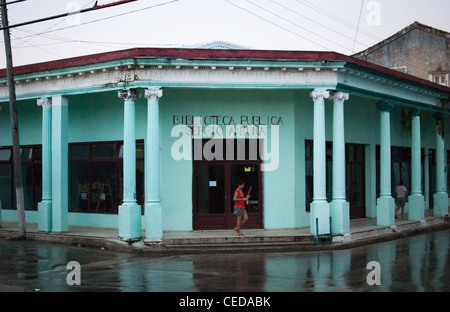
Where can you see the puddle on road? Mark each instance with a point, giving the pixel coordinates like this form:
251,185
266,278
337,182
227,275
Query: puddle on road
419,263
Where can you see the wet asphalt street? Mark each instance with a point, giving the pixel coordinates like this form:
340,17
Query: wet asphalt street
420,263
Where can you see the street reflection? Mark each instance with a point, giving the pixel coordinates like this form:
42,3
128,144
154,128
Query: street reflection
420,263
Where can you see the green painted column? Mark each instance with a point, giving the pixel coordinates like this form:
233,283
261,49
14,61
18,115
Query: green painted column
440,197
45,206
129,211
416,199
370,165
339,207
153,210
385,203
60,164
426,178
320,209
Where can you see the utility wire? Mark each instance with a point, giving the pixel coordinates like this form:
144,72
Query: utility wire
336,18
46,30
95,7
11,2
279,26
63,40
38,47
357,28
360,31
318,23
297,25
110,17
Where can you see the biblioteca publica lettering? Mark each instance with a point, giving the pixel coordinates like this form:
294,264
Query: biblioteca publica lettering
226,120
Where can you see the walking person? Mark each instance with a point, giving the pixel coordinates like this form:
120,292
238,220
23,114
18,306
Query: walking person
240,200
400,198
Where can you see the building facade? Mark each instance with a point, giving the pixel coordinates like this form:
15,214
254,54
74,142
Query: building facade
156,139
418,50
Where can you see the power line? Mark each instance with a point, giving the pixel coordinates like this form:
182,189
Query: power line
63,40
318,23
37,34
357,28
16,1
279,26
110,17
345,23
297,25
334,17
95,7
38,47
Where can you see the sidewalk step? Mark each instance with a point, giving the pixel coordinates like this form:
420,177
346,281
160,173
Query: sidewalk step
242,247
237,241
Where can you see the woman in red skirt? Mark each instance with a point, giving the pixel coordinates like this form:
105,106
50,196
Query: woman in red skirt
239,207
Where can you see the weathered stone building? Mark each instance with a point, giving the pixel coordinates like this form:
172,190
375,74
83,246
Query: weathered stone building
419,50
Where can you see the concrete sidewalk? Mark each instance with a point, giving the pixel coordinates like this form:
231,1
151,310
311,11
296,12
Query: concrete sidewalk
362,232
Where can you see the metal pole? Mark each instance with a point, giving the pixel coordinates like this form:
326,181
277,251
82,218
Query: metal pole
20,203
95,7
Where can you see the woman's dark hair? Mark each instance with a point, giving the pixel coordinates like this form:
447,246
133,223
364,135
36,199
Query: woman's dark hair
401,182
240,182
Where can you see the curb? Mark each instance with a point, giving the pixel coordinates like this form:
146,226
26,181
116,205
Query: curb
255,245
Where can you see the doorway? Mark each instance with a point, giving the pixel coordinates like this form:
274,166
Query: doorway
214,184
355,176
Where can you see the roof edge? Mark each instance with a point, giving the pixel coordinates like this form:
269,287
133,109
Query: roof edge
187,53
215,54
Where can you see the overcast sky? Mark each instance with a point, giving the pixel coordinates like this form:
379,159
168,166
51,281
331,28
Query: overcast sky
326,25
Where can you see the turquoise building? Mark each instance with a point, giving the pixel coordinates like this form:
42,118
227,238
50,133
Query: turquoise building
154,140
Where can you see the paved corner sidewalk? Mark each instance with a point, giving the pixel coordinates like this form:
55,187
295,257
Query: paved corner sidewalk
362,232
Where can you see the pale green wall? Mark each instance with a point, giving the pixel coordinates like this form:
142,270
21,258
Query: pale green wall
99,117
279,186
30,123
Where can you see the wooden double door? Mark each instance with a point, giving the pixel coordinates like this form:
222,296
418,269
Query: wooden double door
214,184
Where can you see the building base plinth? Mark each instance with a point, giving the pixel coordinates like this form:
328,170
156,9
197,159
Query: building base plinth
416,207
385,211
153,221
440,204
340,217
130,222
321,211
45,216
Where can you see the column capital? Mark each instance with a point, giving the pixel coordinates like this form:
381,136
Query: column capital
385,106
153,94
416,112
44,102
320,95
337,96
129,95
